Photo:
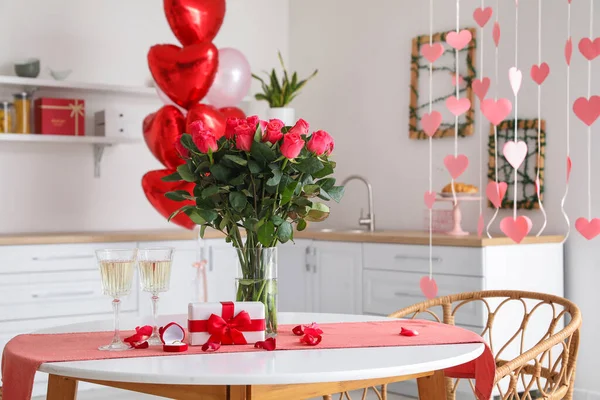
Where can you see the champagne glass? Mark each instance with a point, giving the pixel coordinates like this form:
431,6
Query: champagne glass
155,276
116,271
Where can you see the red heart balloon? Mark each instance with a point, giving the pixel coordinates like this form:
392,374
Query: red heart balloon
184,74
212,118
232,112
155,189
195,21
161,130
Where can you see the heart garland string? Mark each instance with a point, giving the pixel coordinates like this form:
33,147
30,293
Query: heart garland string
568,54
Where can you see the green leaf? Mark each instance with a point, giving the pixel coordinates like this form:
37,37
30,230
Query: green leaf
276,178
336,193
238,201
237,180
223,223
301,225
220,172
262,153
236,159
326,183
196,218
327,170
302,201
266,233
187,142
288,193
209,191
254,167
250,224
311,189
185,173
284,232
176,212
205,204
258,133
309,165
177,195
174,177
208,215
202,231
277,220
319,212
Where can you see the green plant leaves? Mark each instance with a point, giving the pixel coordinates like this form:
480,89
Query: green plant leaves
221,172
319,212
185,173
309,165
266,232
285,231
301,225
336,193
276,178
174,177
178,195
238,201
236,159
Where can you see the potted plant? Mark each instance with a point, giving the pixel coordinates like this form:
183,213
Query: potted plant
280,94
255,185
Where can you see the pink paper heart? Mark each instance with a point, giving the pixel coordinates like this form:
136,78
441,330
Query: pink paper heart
516,229
431,122
429,199
458,81
539,73
515,153
496,33
496,110
480,225
456,165
568,50
515,76
589,49
432,52
586,110
458,106
495,192
482,15
588,229
481,87
459,40
428,287
569,166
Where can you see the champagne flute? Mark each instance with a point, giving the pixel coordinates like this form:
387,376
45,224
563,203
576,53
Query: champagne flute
155,276
116,271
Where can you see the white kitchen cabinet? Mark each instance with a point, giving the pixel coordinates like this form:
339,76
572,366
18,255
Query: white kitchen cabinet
222,269
294,276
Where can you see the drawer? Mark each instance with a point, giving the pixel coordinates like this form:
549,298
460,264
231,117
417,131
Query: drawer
53,257
386,292
467,261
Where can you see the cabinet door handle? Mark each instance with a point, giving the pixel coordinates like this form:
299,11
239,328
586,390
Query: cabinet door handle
67,257
210,259
417,258
314,252
307,259
48,295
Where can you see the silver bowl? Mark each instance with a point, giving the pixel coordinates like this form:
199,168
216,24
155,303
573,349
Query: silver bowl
29,68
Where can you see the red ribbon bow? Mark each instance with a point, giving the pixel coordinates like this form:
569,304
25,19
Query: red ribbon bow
228,331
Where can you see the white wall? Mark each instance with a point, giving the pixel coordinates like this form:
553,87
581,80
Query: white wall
361,96
51,187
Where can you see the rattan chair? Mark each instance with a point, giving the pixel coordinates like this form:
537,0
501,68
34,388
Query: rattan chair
540,365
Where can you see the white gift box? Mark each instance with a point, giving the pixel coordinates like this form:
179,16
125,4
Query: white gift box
225,320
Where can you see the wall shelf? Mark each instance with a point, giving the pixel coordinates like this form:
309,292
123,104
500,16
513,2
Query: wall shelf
36,83
98,142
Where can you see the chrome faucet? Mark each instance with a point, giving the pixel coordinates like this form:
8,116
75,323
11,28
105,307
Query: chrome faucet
369,220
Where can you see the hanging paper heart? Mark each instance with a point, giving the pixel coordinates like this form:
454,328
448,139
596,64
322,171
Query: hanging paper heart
496,110
456,165
458,106
516,229
232,112
195,21
429,199
586,110
184,74
495,192
515,153
539,73
457,80
431,122
482,15
496,33
568,50
569,166
154,189
589,49
459,40
429,287
161,130
480,225
210,116
432,52
515,76
588,229
481,87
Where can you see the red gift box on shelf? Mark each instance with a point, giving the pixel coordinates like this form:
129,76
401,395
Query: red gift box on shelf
60,116
226,322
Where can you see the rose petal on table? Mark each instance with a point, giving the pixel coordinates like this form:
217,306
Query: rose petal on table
211,346
298,330
311,340
270,344
313,329
143,345
408,332
144,330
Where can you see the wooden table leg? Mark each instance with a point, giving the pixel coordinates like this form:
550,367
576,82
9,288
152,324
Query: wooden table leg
432,387
61,388
238,393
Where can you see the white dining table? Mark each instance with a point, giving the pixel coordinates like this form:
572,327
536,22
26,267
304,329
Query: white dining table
261,375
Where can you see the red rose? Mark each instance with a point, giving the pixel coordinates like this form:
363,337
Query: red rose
292,145
196,127
320,143
273,128
252,121
183,152
244,136
230,126
205,140
301,127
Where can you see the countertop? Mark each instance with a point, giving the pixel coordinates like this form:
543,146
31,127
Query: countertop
392,237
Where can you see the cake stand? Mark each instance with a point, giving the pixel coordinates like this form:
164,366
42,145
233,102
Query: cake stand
456,213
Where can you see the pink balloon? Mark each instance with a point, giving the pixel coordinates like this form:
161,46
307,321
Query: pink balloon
166,100
232,81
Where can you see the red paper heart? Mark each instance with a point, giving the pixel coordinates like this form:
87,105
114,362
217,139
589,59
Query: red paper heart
589,49
431,122
587,110
539,73
432,52
155,189
495,192
515,153
458,106
210,116
184,74
161,130
496,110
481,87
568,51
588,229
496,33
516,229
429,199
482,15
232,112
456,165
428,287
195,21
459,40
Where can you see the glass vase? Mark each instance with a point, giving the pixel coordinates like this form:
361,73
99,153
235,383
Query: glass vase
257,281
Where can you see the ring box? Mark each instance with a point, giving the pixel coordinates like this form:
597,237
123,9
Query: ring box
173,335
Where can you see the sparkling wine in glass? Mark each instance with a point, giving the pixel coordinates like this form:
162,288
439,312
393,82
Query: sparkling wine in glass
155,276
116,271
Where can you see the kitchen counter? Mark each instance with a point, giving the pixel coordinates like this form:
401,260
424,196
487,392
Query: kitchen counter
391,237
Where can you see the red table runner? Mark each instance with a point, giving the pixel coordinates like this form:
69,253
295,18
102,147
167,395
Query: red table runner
25,353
